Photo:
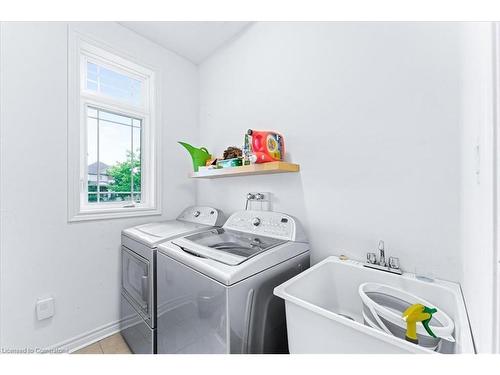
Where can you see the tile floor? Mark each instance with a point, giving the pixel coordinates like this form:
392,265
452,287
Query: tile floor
114,344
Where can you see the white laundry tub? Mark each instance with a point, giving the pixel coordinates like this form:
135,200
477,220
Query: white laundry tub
324,310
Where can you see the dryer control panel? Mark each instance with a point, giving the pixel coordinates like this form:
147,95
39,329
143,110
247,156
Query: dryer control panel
202,215
267,223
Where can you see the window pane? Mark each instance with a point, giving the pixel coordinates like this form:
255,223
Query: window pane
136,159
91,85
115,197
115,144
92,165
114,171
91,112
91,141
113,117
113,84
91,68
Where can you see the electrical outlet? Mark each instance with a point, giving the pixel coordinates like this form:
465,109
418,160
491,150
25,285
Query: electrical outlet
45,308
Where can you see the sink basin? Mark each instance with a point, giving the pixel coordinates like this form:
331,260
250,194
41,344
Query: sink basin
324,310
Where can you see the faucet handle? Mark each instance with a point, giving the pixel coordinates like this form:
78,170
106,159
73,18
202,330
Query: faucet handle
381,250
371,258
394,263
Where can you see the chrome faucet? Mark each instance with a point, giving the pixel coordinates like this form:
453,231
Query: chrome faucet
391,266
382,253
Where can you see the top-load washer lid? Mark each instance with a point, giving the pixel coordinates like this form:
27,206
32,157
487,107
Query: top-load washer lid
248,243
226,246
152,234
192,219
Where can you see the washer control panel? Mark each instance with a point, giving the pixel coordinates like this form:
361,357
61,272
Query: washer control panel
265,223
256,221
202,215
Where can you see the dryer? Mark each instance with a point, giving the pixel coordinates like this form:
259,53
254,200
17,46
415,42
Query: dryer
138,254
215,287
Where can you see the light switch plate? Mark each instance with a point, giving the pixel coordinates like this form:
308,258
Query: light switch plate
45,308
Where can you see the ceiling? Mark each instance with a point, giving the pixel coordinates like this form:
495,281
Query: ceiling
193,40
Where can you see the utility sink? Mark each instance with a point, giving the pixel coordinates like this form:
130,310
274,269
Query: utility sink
324,310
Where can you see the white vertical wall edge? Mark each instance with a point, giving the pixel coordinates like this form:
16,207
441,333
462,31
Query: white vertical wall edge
74,136
1,124
496,192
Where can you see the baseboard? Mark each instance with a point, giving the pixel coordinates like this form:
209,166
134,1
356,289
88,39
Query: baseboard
90,337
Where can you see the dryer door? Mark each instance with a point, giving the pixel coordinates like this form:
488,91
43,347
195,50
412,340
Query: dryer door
136,281
191,310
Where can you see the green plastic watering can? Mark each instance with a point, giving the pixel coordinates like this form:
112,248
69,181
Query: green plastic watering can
199,155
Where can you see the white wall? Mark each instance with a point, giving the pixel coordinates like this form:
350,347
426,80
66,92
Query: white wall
41,253
477,234
383,118
369,111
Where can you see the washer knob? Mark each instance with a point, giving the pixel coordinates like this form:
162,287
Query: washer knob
256,221
197,213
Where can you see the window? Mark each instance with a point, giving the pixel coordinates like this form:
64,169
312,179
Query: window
112,84
113,157
111,130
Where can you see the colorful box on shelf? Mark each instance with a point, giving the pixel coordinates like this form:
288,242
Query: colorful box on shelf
228,163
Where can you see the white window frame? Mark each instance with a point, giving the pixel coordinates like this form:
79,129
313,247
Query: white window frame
82,49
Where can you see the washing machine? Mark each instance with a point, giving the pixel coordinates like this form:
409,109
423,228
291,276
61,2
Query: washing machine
215,287
138,253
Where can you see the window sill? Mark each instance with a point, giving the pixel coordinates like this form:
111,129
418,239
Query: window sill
113,213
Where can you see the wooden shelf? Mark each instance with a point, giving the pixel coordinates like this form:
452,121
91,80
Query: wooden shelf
245,170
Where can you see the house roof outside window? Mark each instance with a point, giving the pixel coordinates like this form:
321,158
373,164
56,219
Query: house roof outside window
105,179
